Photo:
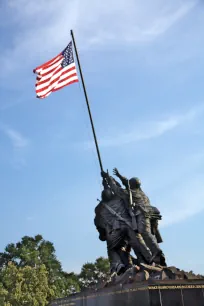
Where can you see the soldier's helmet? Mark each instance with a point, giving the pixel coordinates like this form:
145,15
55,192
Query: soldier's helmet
134,182
106,195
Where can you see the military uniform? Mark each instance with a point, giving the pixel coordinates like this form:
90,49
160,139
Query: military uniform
117,221
147,218
142,210
119,258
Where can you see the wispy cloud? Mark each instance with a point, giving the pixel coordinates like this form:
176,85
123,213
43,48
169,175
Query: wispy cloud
5,105
163,23
19,145
17,139
183,203
143,23
148,130
131,21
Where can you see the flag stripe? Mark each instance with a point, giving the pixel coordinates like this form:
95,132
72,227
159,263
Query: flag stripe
55,82
49,77
47,63
66,80
55,89
56,73
46,78
51,85
68,83
58,88
54,79
48,69
44,82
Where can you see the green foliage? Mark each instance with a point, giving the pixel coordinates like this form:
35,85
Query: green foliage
31,274
31,252
24,286
34,252
93,273
3,296
24,262
70,284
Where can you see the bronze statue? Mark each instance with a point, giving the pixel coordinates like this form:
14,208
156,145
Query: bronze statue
125,219
147,217
116,245
114,222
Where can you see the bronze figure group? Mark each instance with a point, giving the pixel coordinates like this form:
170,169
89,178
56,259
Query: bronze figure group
125,219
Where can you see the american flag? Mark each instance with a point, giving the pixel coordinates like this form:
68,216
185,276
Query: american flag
56,73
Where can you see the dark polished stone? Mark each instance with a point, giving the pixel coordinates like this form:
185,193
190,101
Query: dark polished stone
154,293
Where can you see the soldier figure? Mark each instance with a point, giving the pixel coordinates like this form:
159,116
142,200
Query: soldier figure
118,253
146,216
115,224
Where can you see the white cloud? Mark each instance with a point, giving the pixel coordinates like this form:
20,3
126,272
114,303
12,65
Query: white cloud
142,22
183,202
17,139
19,146
43,29
148,130
175,185
162,24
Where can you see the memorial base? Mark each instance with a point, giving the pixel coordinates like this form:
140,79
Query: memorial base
147,293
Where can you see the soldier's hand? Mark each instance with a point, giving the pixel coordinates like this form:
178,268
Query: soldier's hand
103,174
115,171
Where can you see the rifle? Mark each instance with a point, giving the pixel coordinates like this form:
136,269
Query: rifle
155,230
130,206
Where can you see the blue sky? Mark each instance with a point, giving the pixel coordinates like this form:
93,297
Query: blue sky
143,66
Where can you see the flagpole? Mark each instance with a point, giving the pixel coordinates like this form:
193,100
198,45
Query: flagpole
87,102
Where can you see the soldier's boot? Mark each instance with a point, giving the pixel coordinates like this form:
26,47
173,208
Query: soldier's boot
118,269
162,260
125,256
153,246
159,258
121,269
141,260
155,259
143,254
116,264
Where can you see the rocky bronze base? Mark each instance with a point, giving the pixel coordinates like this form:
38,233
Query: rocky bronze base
146,272
147,293
143,286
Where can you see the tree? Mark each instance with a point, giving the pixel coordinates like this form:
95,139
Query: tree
3,296
31,252
24,286
71,283
34,252
31,274
93,273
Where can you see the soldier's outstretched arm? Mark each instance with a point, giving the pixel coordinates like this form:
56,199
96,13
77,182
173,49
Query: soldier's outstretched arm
123,179
111,182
